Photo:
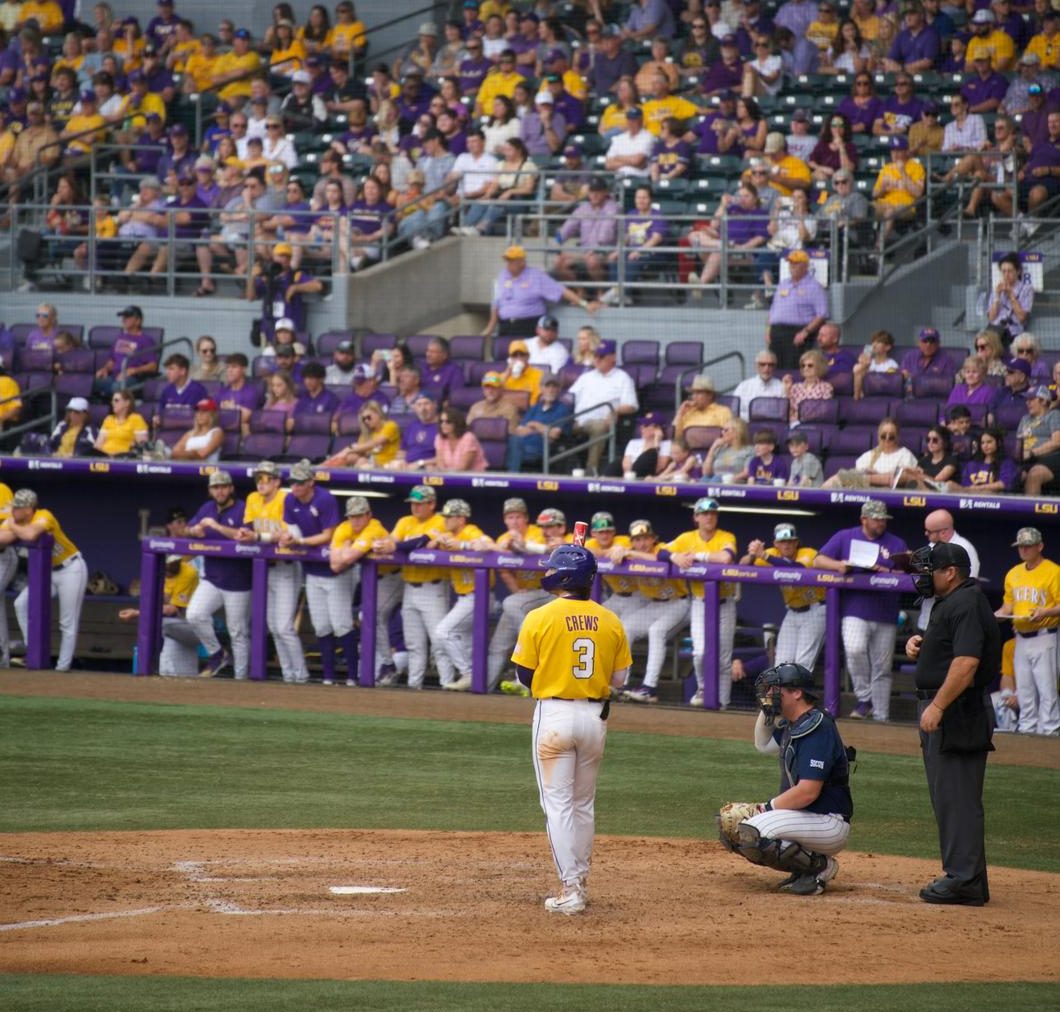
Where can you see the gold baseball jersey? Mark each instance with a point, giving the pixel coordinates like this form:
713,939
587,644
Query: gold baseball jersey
373,531
265,517
524,579
618,584
692,541
177,590
63,548
797,597
1026,589
654,588
573,647
463,580
409,527
6,495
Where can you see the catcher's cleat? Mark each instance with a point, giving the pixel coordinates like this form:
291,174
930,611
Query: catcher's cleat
570,901
641,694
811,884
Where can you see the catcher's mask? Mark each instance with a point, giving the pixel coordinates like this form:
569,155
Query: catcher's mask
790,676
924,561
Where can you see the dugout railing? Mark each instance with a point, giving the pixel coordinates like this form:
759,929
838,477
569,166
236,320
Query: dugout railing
154,551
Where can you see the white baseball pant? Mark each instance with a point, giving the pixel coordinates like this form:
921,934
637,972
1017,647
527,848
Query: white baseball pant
801,637
330,600
514,608
726,633
658,620
568,747
423,607
68,585
8,568
1035,665
453,637
204,602
869,649
285,584
389,589
823,834
623,606
180,649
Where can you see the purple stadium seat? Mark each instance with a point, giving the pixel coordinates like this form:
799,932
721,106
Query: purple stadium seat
73,385
914,438
96,414
268,422
262,446
684,353
492,433
464,397
103,337
570,372
212,387
837,461
327,342
33,380
417,344
314,447
864,412
640,353
152,388
769,409
33,361
376,342
1007,416
883,384
642,374
815,436
20,331
496,453
920,413
229,419
1013,447
978,413
701,437
842,383
79,360
853,439
934,387
467,347
312,425
348,423
177,416
476,370
230,446
500,346
819,412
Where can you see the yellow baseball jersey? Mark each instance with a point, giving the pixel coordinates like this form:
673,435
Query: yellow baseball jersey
524,579
573,648
63,547
233,63
265,517
79,125
409,527
496,84
6,495
797,597
136,115
463,580
177,590
184,51
47,14
1008,658
618,584
691,541
373,531
1026,589
655,588
343,38
893,172
998,45
202,69
658,109
1047,50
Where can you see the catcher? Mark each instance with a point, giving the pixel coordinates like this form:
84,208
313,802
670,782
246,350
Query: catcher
808,822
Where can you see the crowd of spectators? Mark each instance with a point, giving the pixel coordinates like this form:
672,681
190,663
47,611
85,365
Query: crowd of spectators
309,142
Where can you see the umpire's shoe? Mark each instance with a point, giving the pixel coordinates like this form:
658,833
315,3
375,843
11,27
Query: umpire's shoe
949,891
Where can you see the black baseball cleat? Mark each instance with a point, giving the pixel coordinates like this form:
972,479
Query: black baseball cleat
948,891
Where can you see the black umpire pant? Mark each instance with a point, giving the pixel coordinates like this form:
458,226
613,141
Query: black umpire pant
955,785
782,344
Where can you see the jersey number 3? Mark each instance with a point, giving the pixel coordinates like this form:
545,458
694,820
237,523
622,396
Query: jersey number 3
585,649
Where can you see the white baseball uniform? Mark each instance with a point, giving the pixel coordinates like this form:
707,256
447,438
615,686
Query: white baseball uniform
207,599
1035,658
660,608
424,602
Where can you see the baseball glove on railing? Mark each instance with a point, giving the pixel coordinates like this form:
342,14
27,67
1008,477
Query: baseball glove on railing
731,815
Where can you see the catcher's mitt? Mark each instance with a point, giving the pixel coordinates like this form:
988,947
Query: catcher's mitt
731,815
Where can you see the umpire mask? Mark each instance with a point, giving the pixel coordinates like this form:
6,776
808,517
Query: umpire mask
922,566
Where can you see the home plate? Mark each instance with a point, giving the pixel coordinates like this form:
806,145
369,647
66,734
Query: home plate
363,890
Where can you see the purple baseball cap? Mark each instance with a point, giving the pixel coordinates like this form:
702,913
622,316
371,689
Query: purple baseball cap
605,347
1019,365
899,143
928,334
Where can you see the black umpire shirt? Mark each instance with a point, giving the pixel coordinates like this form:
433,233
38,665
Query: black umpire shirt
962,624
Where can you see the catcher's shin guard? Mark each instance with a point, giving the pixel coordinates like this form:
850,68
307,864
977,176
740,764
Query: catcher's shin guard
784,855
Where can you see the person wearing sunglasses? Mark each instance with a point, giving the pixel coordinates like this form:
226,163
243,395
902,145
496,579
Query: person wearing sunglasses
377,444
880,467
862,107
935,467
42,336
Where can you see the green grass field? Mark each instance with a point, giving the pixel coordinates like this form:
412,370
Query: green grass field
71,765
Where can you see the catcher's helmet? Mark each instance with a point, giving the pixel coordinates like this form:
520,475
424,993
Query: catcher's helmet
570,567
790,676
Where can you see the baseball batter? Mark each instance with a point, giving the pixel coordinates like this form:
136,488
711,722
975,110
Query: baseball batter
263,517
453,635
571,653
801,633
8,567
1032,601
661,608
802,829
310,516
606,543
27,522
708,544
224,583
520,537
426,596
350,543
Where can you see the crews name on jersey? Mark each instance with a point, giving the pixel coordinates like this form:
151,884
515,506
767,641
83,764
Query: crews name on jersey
578,623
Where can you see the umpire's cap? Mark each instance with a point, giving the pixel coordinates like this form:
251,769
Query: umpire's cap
24,498
357,506
945,554
220,478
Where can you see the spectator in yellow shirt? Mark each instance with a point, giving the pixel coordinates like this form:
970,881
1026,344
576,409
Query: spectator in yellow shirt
1046,44
823,30
185,45
10,403
899,185
347,33
138,105
520,374
988,38
200,71
129,45
47,14
501,81
123,428
235,69
663,105
787,173
76,134
288,53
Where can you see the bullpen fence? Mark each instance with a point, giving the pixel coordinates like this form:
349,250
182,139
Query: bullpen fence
484,563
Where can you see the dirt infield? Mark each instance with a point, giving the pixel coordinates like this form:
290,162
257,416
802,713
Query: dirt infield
467,906
259,904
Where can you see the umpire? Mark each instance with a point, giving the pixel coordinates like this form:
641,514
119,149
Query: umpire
957,657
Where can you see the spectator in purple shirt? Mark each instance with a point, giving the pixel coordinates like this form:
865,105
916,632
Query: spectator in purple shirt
316,398
985,88
725,74
648,19
864,106
473,70
224,581
572,110
868,617
237,393
673,154
163,25
974,389
365,388
838,359
179,159
643,231
544,128
417,436
716,135
611,62
796,16
742,221
916,47
132,354
180,389
594,224
927,359
765,467
900,111
798,56
440,376
159,79
1040,177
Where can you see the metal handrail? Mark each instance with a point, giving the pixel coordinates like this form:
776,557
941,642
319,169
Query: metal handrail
697,369
49,420
547,458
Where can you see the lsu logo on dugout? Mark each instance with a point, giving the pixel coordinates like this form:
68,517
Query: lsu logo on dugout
914,500
100,466
1046,507
433,479
788,495
666,490
548,486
